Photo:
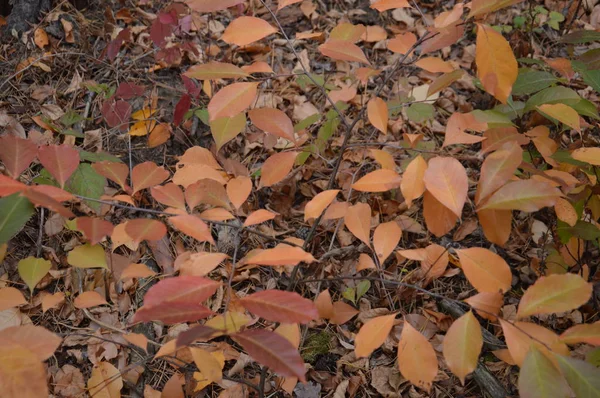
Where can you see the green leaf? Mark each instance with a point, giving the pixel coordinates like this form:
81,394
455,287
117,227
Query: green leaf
420,112
15,211
98,157
350,294
563,156
593,357
584,378
592,78
225,129
512,111
70,118
73,133
308,121
86,182
553,95
531,81
493,118
202,114
362,288
583,230
32,270
87,256
540,378
590,59
580,37
586,108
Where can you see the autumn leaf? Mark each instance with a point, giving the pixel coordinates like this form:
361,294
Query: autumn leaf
377,112
462,345
496,64
32,270
523,195
412,185
114,171
87,256
378,181
385,239
485,270
273,121
259,216
276,168
563,113
231,100
140,229
280,306
497,169
238,190
11,297
554,293
213,70
21,372
373,334
94,229
146,175
539,377
192,226
60,160
342,50
446,179
520,336
169,195
384,5
588,155
582,376
358,221
583,333
277,256
317,205
416,358
324,304
342,313
245,30
105,381
486,304
16,153
89,299
225,129
480,7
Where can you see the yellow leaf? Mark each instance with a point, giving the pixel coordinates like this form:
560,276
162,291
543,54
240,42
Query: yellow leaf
373,334
566,212
32,270
22,373
225,129
496,64
588,155
563,113
87,256
209,366
462,345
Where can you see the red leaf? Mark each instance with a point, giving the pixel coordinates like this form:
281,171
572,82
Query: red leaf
16,153
114,171
172,313
40,199
116,113
192,226
147,175
94,229
112,50
60,161
197,333
183,105
129,90
8,186
59,195
274,351
159,31
141,229
281,306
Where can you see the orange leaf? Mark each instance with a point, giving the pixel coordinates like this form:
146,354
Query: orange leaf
285,3
94,229
485,270
258,67
210,6
443,82
377,112
8,186
216,214
37,339
384,5
279,255
272,350
521,335
105,381
192,173
60,161
385,159
137,339
588,155
434,65
446,179
214,71
480,7
259,216
134,270
523,195
412,185
462,345
273,121
566,212
192,226
554,293
497,66
38,198
449,17
562,66
238,190
276,168
563,113
497,169
232,100
114,171
210,364
416,358
439,219
402,43
208,192
315,207
169,195
52,300
486,304
348,32
22,374
324,304
245,30
198,264
585,333
342,50
280,306
140,229
358,221
199,155
456,126
378,181
147,175
89,299
385,239
342,313
372,335
496,225
16,153
365,262
159,135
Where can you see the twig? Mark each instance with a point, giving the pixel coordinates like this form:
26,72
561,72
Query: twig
40,234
